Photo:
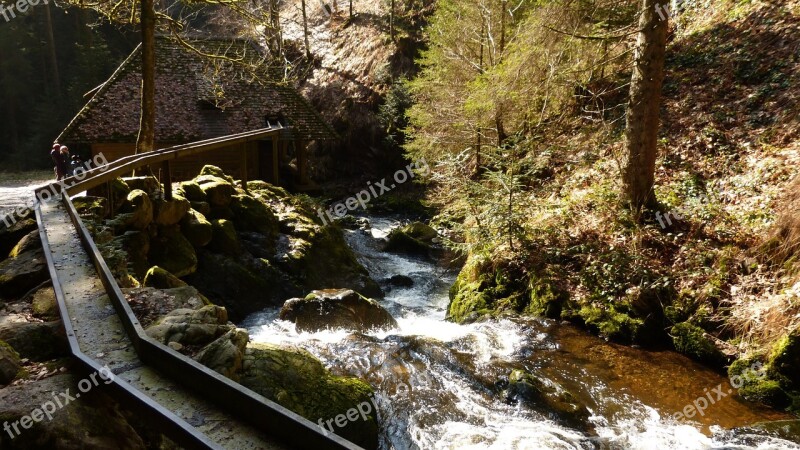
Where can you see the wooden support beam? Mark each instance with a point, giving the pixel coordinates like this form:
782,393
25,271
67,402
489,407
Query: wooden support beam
244,167
302,163
166,179
276,178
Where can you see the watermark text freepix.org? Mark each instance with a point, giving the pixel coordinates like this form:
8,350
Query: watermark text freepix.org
373,191
46,194
699,406
21,6
60,400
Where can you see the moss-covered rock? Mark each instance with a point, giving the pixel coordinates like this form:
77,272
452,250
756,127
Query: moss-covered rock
148,184
250,214
171,251
22,273
242,284
9,363
785,358
400,240
694,342
202,207
191,327
217,190
226,354
30,242
298,381
197,230
136,212
37,341
118,195
546,300
192,191
470,297
44,305
547,397
340,308
611,323
209,170
159,278
136,246
94,421
756,385
10,235
93,208
170,212
224,239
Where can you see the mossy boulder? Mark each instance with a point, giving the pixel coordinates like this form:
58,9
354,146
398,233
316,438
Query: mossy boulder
295,379
191,327
410,239
9,363
192,191
785,358
94,421
250,214
93,208
217,190
470,296
209,170
44,305
757,385
612,323
243,284
170,212
547,397
30,242
336,308
694,342
173,252
10,235
224,239
226,354
197,230
546,300
118,195
135,213
202,207
148,184
37,341
20,274
136,245
159,278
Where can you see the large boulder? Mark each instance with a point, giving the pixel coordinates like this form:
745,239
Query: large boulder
170,212
226,354
22,273
340,308
44,305
191,190
253,215
197,230
191,327
148,184
242,284
172,252
37,341
218,191
30,242
92,422
159,278
135,213
151,305
136,245
547,397
11,233
9,363
224,239
297,380
415,238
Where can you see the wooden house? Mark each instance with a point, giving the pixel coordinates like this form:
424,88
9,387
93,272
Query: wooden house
201,97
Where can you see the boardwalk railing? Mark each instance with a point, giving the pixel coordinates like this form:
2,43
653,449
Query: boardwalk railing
248,406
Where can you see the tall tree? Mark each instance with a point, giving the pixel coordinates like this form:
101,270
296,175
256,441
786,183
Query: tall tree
147,124
642,112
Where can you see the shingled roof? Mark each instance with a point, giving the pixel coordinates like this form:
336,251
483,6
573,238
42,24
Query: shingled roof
197,97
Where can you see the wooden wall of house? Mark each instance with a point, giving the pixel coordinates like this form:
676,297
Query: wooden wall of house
229,159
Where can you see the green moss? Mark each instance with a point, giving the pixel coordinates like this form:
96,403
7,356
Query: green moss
785,359
196,228
757,385
192,191
545,299
690,340
171,251
216,172
251,214
224,238
611,323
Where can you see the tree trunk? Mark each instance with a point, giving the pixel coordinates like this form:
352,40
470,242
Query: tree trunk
642,113
147,123
391,21
51,46
305,30
275,39
351,9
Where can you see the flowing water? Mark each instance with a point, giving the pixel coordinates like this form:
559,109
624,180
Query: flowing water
439,385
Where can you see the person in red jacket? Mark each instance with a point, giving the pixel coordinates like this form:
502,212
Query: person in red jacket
60,168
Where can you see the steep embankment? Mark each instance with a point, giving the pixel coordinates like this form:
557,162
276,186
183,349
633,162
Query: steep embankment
355,64
713,273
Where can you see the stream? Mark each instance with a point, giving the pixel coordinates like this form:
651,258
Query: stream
439,384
